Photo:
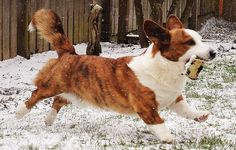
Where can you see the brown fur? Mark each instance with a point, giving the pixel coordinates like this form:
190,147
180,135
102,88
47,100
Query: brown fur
59,102
50,27
114,86
172,43
173,22
177,46
103,82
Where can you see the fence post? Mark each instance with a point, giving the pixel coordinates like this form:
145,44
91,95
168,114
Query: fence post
193,22
22,24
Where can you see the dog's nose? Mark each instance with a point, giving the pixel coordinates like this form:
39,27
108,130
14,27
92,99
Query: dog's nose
212,54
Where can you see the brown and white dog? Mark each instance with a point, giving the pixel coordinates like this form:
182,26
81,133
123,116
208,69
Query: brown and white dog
141,85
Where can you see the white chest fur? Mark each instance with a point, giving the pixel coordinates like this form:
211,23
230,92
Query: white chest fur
160,75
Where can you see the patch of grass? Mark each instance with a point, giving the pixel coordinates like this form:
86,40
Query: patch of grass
102,136
207,97
215,85
193,95
228,79
30,147
206,143
231,68
55,147
210,143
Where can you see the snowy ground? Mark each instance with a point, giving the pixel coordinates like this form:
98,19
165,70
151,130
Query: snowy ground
97,129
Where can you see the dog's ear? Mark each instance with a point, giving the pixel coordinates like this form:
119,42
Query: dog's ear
173,22
156,33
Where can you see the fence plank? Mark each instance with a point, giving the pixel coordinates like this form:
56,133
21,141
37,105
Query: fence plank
53,5
32,35
1,21
130,14
112,17
60,5
65,16
40,41
70,35
46,46
13,39
76,21
86,15
6,29
22,35
81,21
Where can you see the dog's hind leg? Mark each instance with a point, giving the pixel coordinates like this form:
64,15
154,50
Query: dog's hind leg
58,103
37,95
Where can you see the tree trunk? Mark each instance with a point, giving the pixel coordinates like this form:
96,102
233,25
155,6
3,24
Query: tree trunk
156,10
173,7
186,13
139,18
94,47
122,23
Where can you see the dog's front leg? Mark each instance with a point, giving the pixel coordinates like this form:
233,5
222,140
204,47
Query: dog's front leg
156,125
37,95
181,107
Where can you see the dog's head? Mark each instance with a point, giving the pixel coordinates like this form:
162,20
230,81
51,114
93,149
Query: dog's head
175,42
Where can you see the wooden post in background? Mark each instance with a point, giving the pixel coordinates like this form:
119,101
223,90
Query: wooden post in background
156,13
122,22
6,29
22,33
139,20
94,47
1,38
193,21
106,25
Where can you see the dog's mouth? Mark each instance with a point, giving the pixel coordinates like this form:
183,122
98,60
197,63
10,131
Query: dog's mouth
197,57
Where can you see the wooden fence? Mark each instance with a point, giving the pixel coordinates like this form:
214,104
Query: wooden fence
229,10
15,16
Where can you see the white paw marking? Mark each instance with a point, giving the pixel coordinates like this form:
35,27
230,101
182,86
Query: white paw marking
21,111
202,116
162,132
51,117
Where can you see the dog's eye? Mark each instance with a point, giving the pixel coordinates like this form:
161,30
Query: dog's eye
190,42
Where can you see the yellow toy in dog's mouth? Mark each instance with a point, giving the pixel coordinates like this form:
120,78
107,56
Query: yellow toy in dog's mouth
194,67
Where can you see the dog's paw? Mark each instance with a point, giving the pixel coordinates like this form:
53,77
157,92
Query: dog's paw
21,111
51,117
162,132
167,138
202,116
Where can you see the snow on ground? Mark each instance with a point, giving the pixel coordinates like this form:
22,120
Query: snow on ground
98,129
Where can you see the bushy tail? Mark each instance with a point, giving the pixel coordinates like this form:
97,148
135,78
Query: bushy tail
50,28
